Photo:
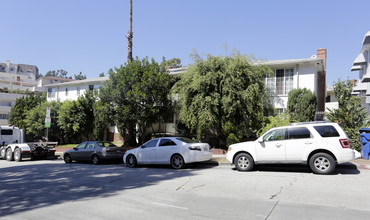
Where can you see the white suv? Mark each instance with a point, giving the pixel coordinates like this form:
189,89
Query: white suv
322,145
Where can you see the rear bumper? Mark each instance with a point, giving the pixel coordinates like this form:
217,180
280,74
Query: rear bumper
345,156
199,156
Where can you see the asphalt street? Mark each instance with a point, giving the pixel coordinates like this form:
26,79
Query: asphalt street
51,189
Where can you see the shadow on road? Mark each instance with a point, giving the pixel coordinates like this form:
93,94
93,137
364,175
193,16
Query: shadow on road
348,169
27,187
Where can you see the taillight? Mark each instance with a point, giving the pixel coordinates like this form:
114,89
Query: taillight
344,143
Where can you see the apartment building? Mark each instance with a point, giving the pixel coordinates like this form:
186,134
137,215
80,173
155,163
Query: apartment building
361,64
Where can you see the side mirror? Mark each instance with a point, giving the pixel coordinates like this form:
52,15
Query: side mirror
75,148
142,146
260,141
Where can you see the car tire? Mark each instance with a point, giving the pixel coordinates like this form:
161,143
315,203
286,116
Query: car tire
95,159
18,155
2,153
67,158
131,161
244,162
9,154
322,163
177,161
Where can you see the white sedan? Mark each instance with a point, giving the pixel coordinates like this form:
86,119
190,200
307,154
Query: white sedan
176,151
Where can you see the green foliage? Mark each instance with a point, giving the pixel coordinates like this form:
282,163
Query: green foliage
342,91
58,73
35,121
223,98
79,76
351,116
138,94
22,105
302,105
275,121
172,63
76,118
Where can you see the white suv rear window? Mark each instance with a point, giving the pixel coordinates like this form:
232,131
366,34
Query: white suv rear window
327,131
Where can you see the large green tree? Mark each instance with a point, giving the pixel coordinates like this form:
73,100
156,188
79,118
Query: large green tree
139,96
76,118
302,105
223,99
22,105
350,114
35,122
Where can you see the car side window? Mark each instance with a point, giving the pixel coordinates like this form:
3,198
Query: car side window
90,146
151,143
166,142
299,133
327,131
81,146
275,135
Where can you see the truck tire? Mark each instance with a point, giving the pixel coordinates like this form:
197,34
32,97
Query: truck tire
244,162
18,155
322,163
9,154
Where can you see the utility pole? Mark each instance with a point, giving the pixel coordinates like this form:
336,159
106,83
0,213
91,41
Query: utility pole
129,37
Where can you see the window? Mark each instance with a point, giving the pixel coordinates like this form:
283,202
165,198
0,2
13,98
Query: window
6,132
51,81
298,133
66,91
151,143
91,87
327,131
166,142
51,92
81,146
275,135
187,140
4,116
78,91
281,83
279,111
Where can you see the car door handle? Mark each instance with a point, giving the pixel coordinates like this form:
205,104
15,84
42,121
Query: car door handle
278,145
308,142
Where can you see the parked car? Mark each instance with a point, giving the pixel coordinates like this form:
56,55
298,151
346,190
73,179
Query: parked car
94,151
321,145
176,151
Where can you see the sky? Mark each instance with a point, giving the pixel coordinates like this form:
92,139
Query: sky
89,36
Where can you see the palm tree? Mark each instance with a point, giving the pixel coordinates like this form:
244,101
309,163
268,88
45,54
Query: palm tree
129,37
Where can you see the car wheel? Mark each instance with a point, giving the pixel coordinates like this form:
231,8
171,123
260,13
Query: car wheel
322,163
67,158
17,154
3,153
244,162
177,161
131,161
95,159
9,154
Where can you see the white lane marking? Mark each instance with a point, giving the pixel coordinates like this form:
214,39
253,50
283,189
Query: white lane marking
178,207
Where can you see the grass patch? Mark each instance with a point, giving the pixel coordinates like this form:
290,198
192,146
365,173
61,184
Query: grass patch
68,145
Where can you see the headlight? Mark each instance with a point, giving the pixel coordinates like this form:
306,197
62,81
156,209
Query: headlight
194,148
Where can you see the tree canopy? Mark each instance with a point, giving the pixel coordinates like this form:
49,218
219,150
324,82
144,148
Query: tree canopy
302,105
350,114
223,98
172,63
138,94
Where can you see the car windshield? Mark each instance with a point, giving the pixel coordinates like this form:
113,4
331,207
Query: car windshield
106,144
187,140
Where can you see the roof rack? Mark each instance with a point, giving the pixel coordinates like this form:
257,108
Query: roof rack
309,122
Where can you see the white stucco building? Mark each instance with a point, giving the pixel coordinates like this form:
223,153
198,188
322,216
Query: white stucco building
361,64
14,77
72,90
291,74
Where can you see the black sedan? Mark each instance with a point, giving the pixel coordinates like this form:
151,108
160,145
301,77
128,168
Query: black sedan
94,151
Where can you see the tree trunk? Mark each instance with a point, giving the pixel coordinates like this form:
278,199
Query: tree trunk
129,37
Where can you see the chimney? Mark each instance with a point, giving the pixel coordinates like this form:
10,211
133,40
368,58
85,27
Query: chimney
321,53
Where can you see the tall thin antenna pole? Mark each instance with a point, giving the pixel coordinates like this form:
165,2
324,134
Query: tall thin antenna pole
129,37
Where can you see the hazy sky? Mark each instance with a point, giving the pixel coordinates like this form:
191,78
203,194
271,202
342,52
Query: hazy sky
88,36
